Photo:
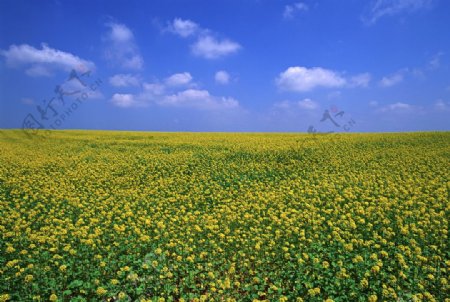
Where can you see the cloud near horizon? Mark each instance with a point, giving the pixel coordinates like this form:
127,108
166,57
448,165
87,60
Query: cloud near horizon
199,99
441,105
124,80
393,79
303,79
125,100
178,91
306,104
396,107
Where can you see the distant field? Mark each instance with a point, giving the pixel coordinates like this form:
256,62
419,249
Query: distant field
134,216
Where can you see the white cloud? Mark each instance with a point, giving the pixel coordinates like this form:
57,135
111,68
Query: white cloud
43,62
168,94
154,89
134,62
392,79
39,71
125,100
399,106
382,8
206,45
360,80
200,99
307,104
222,77
290,10
120,33
179,79
283,105
442,106
209,47
303,79
373,103
124,80
435,61
418,73
183,28
406,73
396,107
121,48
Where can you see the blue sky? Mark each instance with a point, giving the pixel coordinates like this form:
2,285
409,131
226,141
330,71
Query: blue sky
247,65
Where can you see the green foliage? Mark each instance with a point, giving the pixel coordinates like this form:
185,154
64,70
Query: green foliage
114,216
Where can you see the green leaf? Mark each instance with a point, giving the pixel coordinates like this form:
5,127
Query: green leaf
75,284
78,299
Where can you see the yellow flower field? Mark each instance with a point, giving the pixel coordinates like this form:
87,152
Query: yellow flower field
135,216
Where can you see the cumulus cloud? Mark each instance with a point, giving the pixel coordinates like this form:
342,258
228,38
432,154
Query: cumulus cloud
396,107
392,79
384,8
209,47
200,99
442,106
435,61
154,89
179,79
207,44
183,28
401,107
222,77
291,9
306,104
124,80
301,79
172,92
373,103
44,61
360,80
125,100
406,73
283,105
121,49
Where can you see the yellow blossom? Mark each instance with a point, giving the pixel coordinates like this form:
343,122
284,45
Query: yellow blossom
101,291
